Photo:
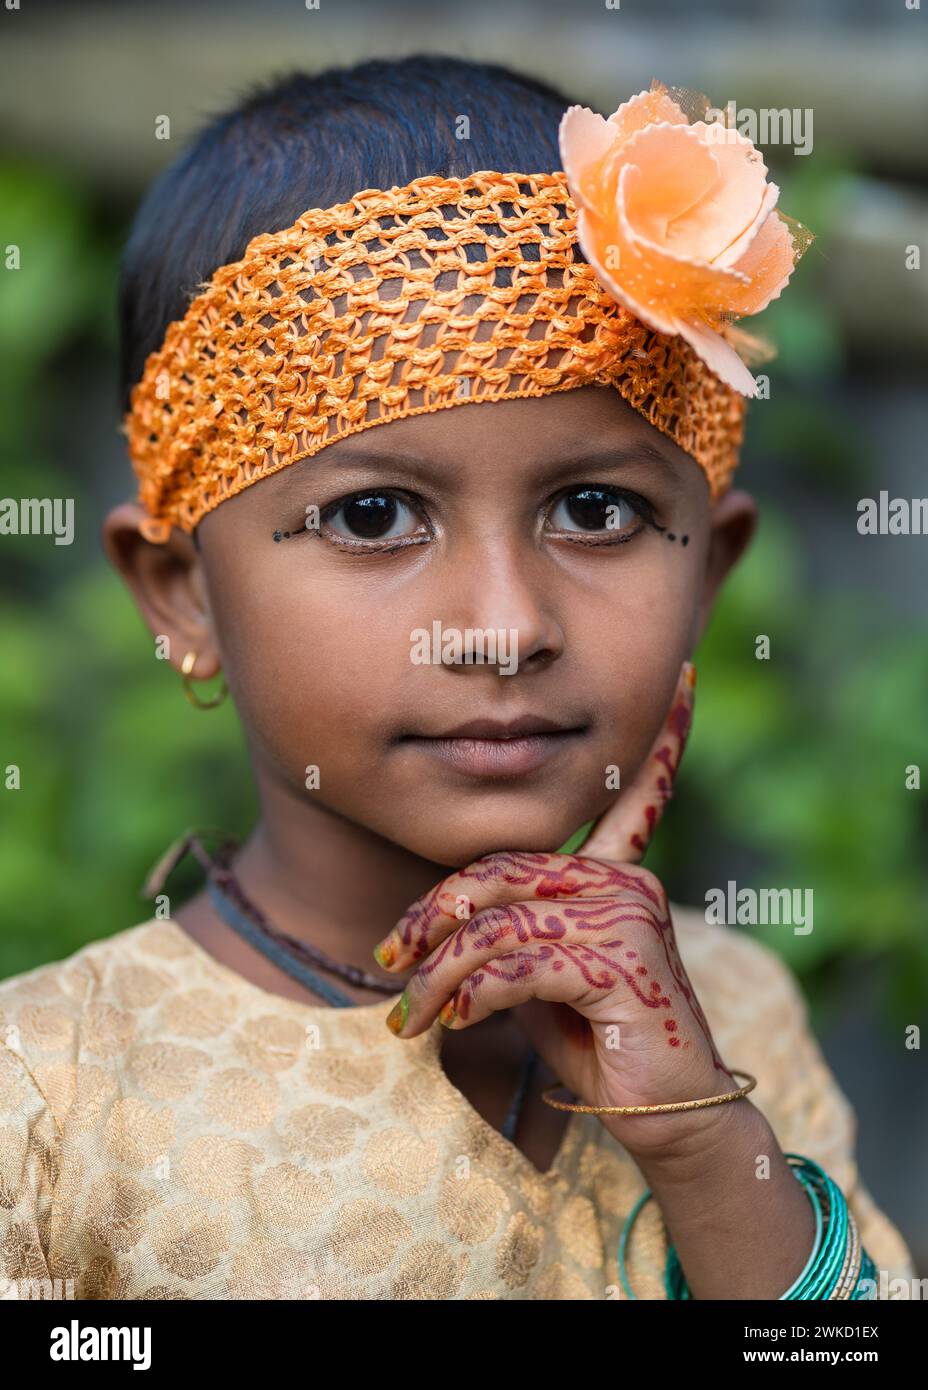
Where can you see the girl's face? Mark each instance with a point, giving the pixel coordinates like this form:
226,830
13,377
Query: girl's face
564,528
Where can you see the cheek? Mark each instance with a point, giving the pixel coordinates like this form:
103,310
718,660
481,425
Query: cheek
304,664
630,643
641,611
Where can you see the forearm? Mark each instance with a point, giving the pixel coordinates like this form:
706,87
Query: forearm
742,1228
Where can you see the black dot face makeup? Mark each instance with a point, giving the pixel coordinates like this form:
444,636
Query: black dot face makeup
672,536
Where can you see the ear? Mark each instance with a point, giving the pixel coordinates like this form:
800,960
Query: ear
168,584
733,521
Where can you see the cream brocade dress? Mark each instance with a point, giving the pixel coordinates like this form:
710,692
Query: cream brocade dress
169,1130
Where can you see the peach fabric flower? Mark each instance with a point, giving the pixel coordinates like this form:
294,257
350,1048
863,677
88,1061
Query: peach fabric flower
678,221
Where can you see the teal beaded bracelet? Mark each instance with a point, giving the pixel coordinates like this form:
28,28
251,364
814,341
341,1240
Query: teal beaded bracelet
837,1267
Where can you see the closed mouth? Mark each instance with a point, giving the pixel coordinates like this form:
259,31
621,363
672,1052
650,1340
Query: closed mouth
495,730
490,750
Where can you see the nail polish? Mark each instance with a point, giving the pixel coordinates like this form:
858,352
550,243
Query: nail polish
385,953
396,1018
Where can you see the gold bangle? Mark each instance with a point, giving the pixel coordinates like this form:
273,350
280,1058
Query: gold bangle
652,1109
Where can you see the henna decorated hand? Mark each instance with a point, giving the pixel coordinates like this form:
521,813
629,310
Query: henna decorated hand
581,947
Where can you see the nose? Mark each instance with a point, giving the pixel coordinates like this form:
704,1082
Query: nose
503,610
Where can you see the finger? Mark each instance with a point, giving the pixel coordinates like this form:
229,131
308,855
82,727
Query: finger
514,979
590,933
566,972
624,831
569,971
498,879
558,972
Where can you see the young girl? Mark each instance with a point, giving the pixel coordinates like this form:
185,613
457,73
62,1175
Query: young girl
405,1044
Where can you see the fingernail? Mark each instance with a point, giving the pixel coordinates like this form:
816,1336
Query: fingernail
690,675
396,1018
448,1014
385,953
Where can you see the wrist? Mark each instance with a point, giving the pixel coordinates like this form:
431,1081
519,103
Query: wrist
681,1139
687,1155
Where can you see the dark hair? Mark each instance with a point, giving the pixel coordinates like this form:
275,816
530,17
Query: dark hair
310,140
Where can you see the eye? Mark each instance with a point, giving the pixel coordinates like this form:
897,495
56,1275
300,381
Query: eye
371,516
606,512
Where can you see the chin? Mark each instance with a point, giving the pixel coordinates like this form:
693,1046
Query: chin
459,840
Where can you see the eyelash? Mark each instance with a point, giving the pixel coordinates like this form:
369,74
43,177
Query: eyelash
640,505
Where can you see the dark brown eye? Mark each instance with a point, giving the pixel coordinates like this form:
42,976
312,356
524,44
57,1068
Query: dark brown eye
592,509
374,516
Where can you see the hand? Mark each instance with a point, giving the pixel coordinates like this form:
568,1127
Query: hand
581,947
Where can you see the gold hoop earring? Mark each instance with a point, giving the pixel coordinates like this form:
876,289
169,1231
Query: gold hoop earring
187,665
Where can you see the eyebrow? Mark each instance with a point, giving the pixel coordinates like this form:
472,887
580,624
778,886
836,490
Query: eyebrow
610,455
565,463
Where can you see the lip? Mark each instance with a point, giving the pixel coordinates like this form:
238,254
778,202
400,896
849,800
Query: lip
493,748
526,724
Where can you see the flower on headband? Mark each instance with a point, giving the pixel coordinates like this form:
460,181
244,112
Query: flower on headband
678,221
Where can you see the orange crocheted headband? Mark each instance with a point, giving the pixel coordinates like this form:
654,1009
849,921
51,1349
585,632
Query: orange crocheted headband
627,268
